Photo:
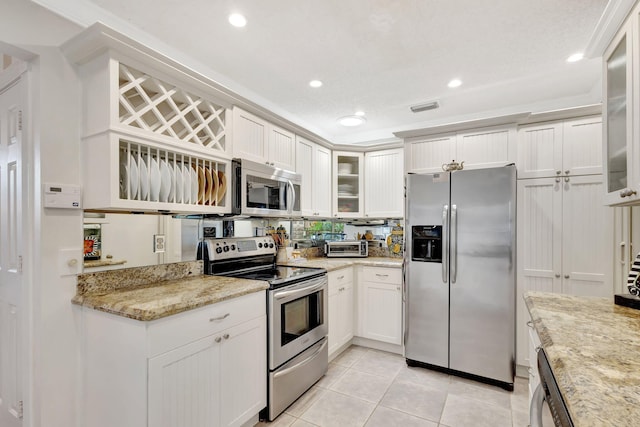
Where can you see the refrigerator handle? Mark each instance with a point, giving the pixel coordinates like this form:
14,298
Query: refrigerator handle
445,243
454,243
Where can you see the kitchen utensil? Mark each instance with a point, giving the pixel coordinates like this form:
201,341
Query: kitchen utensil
155,180
201,185
195,186
345,168
179,185
222,187
144,179
165,181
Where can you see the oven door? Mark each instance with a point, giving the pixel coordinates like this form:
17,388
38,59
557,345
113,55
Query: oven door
266,190
298,319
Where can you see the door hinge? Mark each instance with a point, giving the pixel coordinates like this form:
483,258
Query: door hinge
20,264
20,120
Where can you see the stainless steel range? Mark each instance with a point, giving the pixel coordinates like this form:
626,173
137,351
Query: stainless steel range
296,314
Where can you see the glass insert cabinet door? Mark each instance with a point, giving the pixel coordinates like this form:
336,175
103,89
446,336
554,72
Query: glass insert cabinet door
617,99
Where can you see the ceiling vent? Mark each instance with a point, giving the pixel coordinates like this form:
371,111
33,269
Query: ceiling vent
424,107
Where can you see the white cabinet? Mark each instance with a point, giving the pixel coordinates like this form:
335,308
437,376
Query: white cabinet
313,163
565,241
206,366
479,148
341,308
534,346
572,147
621,97
384,184
256,139
348,185
380,304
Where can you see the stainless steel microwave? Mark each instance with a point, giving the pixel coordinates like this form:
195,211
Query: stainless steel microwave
347,248
263,190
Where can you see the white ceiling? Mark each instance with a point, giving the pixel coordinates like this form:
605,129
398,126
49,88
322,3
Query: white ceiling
378,56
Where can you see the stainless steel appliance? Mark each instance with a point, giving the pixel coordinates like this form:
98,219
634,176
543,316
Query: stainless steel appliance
297,314
548,391
347,248
263,190
460,273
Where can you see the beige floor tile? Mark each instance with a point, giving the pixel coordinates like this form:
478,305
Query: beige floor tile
350,356
520,418
305,401
302,423
333,373
283,420
467,412
483,392
362,385
420,400
385,417
379,363
423,376
338,410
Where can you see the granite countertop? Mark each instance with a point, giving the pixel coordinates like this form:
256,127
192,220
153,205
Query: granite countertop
331,264
593,347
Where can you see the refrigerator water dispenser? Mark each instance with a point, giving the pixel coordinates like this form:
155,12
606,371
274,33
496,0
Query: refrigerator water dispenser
426,243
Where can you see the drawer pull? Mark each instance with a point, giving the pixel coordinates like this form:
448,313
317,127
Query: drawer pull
218,339
382,275
225,336
530,323
215,319
340,277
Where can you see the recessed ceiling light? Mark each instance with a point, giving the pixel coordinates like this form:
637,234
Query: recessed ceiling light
237,20
360,113
351,121
575,57
315,83
455,83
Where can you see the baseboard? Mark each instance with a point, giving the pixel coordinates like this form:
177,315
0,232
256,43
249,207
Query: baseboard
378,345
522,371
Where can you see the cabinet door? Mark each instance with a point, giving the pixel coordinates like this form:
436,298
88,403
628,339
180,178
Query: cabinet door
334,318
492,147
184,388
384,184
534,344
304,166
539,243
281,148
243,373
540,150
348,185
382,312
322,182
582,146
250,136
587,238
346,310
427,155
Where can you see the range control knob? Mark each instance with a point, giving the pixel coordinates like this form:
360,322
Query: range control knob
218,250
226,248
271,245
233,247
259,245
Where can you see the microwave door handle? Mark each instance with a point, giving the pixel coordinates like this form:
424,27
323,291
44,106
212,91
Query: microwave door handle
293,198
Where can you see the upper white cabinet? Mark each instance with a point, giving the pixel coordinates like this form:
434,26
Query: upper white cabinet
348,185
478,148
384,183
313,163
621,96
153,139
258,140
563,148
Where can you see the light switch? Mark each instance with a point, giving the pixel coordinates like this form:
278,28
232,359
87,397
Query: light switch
69,261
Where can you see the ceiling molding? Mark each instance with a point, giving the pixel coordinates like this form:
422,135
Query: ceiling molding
562,114
611,20
464,125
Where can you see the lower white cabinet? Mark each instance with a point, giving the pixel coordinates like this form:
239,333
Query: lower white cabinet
380,304
534,345
341,308
204,367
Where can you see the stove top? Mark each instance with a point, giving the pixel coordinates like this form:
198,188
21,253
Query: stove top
280,275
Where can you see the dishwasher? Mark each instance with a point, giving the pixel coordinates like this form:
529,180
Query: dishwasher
548,391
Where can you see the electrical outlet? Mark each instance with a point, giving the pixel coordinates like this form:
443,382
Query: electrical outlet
159,243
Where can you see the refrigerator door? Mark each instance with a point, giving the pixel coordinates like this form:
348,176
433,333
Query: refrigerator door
482,257
427,298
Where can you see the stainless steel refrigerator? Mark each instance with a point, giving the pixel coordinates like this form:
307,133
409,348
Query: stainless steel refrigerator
460,273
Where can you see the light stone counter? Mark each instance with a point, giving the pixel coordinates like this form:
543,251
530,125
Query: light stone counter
593,347
149,293
331,264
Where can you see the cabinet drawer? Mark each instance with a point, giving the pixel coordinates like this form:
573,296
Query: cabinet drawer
382,275
173,331
339,278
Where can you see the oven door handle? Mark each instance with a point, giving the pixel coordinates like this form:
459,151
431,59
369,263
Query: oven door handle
305,290
304,362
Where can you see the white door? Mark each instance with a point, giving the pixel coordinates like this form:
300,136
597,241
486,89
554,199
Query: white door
427,155
382,317
304,166
322,182
384,184
11,251
582,146
492,147
540,150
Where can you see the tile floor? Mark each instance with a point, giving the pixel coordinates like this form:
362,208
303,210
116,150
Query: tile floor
371,388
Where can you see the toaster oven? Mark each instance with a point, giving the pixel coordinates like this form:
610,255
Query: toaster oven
347,248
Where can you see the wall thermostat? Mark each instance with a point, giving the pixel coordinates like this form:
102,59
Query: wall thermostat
62,196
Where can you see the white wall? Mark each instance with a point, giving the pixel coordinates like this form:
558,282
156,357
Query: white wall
52,127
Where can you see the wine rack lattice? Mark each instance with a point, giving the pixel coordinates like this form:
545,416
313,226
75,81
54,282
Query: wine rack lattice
159,107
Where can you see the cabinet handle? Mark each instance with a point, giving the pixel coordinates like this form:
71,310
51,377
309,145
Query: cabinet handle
557,179
558,172
215,319
398,288
566,172
566,179
557,276
566,276
530,323
218,339
530,371
341,277
382,275
225,336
